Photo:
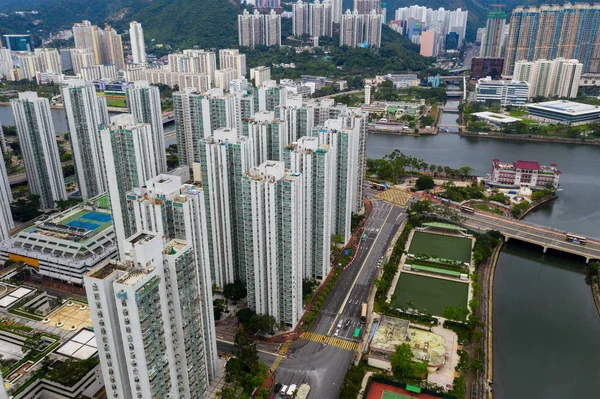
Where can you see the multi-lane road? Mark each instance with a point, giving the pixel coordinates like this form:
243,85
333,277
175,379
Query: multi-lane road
323,359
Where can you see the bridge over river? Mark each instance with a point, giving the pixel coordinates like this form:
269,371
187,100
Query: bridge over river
545,237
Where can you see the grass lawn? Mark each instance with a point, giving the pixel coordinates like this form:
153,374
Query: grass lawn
116,102
486,208
440,246
430,293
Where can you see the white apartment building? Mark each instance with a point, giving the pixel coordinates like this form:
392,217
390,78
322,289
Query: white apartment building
223,78
502,92
313,161
146,312
49,60
320,19
194,61
259,29
300,18
6,219
97,72
224,157
344,147
129,160
260,75
271,224
82,58
272,29
143,102
177,211
373,22
556,78
37,138
138,46
269,136
67,244
232,59
85,113
351,29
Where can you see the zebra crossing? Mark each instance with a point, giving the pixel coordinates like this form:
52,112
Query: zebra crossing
280,354
340,343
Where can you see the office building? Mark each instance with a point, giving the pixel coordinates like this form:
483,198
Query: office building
176,211
146,309
232,59
260,75
82,58
373,22
300,18
18,42
320,19
6,219
313,162
351,29
429,43
143,102
271,225
37,139
138,46
492,40
224,158
129,161
483,67
549,32
85,113
556,78
563,111
501,92
523,174
67,244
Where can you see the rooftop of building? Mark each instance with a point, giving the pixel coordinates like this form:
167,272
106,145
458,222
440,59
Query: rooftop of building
107,268
496,118
390,333
566,107
133,278
526,165
174,247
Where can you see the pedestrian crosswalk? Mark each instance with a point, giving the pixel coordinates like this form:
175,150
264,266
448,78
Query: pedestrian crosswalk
280,355
340,343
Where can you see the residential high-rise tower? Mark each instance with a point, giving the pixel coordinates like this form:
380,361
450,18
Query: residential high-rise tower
138,47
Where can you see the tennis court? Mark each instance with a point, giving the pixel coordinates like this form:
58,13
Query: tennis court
441,246
392,395
85,225
98,217
430,293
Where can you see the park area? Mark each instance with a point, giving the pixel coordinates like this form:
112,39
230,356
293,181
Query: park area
441,246
429,294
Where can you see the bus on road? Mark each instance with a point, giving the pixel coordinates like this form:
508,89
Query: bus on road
467,209
575,239
363,313
380,187
357,333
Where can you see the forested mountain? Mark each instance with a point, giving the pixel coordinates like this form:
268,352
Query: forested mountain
181,23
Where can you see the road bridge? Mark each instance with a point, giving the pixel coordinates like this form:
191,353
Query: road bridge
545,237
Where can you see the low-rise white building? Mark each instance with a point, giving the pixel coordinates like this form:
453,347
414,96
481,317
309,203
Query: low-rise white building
502,92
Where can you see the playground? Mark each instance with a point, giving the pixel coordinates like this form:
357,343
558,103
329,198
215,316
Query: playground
429,294
441,246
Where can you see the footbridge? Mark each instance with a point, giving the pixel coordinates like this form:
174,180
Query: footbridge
545,237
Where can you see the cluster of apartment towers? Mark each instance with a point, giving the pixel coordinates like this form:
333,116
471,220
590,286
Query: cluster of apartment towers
273,178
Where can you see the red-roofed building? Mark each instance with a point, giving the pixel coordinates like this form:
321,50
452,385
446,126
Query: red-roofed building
523,174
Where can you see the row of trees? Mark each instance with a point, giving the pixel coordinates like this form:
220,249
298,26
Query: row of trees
395,166
245,372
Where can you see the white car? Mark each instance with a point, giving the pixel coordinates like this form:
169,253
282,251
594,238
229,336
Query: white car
339,325
336,333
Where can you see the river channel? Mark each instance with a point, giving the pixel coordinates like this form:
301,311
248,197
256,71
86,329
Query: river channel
546,327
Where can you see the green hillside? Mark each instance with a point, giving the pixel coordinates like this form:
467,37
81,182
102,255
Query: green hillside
181,23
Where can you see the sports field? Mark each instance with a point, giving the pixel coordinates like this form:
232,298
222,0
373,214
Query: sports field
95,221
430,293
392,395
440,246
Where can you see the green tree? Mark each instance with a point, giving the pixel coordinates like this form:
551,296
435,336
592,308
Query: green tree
235,291
244,315
66,204
466,171
401,361
421,207
424,183
24,210
261,324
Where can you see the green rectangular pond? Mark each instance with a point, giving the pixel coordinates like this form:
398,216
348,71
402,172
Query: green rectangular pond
430,293
440,246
